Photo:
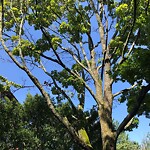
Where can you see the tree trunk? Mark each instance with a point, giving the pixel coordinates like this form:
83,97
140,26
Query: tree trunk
105,113
107,134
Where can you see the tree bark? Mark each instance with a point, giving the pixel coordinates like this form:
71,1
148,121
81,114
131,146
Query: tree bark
105,113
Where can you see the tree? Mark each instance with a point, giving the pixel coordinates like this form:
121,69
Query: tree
146,142
13,131
88,46
124,143
32,126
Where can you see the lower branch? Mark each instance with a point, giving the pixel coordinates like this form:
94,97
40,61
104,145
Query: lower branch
139,101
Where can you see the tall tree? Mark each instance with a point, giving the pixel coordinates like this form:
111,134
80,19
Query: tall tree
124,143
146,142
87,46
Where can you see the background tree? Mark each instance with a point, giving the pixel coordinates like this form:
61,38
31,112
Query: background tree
32,126
13,131
146,142
87,46
124,143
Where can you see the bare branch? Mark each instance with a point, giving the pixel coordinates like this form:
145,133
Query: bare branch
131,48
101,28
13,15
63,120
48,58
99,67
107,30
98,43
120,92
133,44
19,42
131,30
10,95
85,56
135,109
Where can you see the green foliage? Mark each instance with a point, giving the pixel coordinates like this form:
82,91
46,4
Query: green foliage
131,97
25,46
124,143
42,45
13,133
6,84
44,125
122,9
82,133
67,79
136,69
33,125
145,107
55,41
64,30
45,13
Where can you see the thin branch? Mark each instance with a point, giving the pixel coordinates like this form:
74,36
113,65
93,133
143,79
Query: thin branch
13,15
11,55
107,30
146,9
48,58
57,56
96,45
133,44
19,42
39,86
65,67
99,67
115,34
125,90
63,93
84,55
131,48
63,120
56,85
101,29
10,95
129,34
75,58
